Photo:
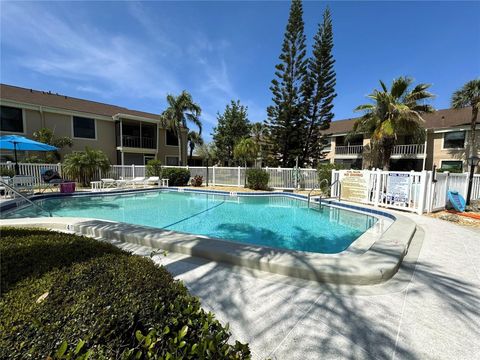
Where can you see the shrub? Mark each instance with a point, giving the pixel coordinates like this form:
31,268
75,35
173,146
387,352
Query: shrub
154,168
4,171
257,179
324,171
197,181
67,296
82,165
175,176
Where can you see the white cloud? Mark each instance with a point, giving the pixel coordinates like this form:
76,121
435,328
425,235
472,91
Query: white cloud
69,46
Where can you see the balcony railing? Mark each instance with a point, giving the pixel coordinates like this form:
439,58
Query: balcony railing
138,142
349,150
410,149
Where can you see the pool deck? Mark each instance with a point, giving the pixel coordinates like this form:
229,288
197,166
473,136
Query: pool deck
429,310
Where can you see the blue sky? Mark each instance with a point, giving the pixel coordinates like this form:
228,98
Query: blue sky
132,54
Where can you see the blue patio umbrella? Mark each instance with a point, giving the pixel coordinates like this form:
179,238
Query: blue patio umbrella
21,143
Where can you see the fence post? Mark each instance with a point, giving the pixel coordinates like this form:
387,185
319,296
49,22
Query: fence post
213,175
423,189
59,169
133,170
238,177
378,186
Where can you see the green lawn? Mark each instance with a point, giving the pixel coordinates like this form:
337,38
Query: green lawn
72,297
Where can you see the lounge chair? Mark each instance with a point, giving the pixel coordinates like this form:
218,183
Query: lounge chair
152,179
108,183
135,181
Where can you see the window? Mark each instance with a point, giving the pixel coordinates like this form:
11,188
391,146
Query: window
452,165
172,160
147,158
11,119
83,128
454,140
172,139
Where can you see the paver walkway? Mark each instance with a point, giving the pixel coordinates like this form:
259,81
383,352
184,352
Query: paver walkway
428,311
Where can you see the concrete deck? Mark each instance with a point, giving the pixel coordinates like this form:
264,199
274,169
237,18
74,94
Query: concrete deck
429,310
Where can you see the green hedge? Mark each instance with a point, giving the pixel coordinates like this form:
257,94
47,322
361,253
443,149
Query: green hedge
324,172
257,179
65,296
153,168
176,177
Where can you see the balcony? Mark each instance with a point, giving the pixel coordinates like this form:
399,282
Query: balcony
349,150
410,149
138,142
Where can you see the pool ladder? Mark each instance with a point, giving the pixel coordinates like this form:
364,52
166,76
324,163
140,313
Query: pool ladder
320,197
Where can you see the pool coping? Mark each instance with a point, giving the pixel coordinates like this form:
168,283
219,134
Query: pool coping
375,265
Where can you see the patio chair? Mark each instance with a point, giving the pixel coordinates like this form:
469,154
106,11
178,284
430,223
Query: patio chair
108,183
50,179
23,184
135,181
152,179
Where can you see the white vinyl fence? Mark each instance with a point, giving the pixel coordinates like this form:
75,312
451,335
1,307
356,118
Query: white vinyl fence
420,191
425,194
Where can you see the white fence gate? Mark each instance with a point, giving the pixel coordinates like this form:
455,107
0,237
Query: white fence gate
423,192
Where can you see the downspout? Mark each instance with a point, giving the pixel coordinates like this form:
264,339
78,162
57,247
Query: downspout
425,150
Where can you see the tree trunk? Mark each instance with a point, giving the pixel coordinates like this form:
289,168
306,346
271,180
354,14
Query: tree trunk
179,147
472,131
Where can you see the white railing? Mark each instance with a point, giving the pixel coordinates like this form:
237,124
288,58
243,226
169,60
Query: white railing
409,149
349,150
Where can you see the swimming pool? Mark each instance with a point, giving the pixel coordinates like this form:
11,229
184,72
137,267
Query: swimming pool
274,221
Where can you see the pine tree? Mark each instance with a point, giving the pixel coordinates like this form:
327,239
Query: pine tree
286,115
233,125
320,90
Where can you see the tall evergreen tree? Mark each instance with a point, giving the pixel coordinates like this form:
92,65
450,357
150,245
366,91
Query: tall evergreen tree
233,125
320,90
286,115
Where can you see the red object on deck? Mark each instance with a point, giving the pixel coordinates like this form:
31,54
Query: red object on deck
472,216
67,187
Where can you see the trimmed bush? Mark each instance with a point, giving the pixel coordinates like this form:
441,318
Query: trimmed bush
324,171
197,181
153,168
257,179
66,296
176,177
7,172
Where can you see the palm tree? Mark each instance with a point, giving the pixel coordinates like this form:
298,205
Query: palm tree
259,133
469,95
393,112
246,150
194,139
181,110
82,165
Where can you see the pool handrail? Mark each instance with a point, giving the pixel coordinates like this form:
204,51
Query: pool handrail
16,192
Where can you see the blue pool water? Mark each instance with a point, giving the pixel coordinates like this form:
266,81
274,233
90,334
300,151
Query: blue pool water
275,221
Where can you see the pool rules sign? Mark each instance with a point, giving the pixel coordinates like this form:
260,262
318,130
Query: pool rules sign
354,185
398,186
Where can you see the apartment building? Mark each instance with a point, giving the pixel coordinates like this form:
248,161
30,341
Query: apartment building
126,136
446,144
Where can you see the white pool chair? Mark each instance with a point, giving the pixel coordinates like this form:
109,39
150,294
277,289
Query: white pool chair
23,184
108,183
138,180
152,180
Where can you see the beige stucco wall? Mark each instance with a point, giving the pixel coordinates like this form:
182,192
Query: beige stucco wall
165,150
437,153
